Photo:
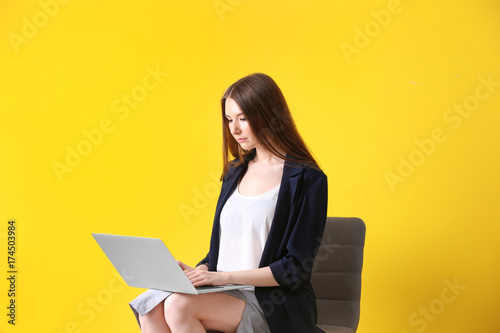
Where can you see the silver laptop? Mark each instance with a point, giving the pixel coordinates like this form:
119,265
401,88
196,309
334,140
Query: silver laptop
147,263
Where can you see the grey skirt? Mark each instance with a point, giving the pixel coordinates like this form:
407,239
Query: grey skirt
253,319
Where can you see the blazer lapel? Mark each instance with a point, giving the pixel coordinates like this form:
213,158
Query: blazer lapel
290,185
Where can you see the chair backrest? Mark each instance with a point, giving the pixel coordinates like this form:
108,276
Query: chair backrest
336,276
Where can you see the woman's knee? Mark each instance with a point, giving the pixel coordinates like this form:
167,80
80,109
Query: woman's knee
178,307
155,316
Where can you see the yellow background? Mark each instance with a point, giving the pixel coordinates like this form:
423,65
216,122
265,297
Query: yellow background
360,112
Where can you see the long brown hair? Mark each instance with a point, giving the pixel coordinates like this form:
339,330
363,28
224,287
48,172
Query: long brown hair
267,113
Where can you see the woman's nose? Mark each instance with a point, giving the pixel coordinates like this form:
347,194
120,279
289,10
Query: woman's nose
235,128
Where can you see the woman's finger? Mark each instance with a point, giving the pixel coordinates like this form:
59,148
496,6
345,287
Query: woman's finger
184,267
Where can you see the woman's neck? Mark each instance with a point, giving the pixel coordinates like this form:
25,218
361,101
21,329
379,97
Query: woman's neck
263,156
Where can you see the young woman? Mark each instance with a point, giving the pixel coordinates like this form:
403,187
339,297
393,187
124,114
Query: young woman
268,225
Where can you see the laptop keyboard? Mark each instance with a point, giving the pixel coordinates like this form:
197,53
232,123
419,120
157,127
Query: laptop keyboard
208,287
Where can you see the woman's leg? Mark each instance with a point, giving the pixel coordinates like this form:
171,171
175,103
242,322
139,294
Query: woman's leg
197,313
154,321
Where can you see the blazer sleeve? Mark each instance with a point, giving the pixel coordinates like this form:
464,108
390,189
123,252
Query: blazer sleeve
308,222
204,261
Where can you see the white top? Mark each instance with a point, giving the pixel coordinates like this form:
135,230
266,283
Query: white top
245,224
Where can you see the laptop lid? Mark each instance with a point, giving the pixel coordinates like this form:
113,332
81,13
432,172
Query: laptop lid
147,263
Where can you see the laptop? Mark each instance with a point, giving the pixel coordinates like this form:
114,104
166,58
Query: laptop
147,263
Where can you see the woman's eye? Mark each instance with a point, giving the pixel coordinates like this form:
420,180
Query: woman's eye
243,119
229,120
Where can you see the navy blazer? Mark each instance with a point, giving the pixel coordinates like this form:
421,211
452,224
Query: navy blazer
291,247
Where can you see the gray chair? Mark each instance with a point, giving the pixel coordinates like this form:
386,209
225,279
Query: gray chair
336,275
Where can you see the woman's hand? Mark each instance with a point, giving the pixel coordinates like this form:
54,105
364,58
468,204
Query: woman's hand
200,276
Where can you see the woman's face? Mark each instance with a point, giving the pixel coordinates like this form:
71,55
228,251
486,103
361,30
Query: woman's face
239,126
